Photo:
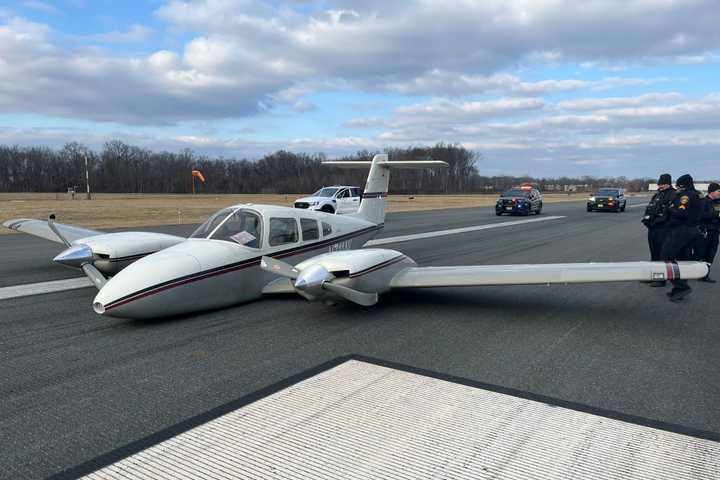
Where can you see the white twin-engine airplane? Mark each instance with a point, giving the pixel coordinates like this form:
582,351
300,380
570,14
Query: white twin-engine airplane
245,251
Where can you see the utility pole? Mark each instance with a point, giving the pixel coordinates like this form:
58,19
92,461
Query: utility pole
87,175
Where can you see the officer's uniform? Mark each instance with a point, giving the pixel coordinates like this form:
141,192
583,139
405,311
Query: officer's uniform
656,220
685,211
707,247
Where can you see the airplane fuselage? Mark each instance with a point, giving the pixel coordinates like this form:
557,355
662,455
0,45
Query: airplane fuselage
207,273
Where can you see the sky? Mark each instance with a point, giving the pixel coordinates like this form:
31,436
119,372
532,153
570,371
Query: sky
535,87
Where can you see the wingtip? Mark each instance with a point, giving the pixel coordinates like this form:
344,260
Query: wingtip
14,223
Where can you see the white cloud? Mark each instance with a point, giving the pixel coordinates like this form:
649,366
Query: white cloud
442,110
610,102
452,84
242,54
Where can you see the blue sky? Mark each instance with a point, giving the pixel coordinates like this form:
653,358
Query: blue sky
541,87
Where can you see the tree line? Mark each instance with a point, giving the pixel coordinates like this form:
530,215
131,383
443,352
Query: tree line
123,168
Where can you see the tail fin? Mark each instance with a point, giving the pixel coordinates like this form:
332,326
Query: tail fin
372,207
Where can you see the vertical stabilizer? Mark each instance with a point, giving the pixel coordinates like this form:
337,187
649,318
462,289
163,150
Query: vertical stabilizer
373,205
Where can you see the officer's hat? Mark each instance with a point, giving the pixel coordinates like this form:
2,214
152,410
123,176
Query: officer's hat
665,179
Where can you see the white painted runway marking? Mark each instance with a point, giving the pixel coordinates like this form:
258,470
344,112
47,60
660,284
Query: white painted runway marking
17,291
455,231
360,421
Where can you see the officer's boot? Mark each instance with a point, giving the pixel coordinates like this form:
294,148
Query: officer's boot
680,290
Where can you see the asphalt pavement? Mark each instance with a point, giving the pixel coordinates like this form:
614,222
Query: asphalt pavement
74,385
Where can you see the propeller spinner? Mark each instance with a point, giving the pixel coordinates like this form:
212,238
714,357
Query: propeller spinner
79,256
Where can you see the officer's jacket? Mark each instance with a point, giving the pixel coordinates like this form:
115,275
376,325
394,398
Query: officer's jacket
710,216
685,209
656,212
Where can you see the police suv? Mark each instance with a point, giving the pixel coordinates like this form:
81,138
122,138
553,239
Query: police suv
608,199
522,200
335,199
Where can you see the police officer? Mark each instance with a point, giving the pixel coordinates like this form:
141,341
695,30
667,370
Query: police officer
707,247
656,219
685,211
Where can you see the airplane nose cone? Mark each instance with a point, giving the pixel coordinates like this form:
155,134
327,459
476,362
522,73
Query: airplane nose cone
75,256
144,289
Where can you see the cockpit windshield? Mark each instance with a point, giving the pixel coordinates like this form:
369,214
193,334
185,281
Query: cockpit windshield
232,225
325,192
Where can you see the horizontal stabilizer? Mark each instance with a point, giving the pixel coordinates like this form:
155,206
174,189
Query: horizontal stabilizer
40,228
418,277
387,164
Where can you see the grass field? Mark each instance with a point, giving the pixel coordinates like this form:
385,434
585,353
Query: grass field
133,210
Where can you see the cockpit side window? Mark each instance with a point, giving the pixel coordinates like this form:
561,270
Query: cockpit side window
327,229
211,223
242,227
310,229
282,231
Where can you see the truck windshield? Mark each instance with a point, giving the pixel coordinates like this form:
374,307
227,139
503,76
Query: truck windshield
325,192
608,192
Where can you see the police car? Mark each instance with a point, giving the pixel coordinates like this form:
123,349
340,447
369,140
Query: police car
522,200
607,199
335,199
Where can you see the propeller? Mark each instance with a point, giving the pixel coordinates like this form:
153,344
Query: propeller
277,267
311,281
79,256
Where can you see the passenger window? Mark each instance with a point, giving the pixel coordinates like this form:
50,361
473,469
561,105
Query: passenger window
327,229
356,192
310,229
343,194
283,230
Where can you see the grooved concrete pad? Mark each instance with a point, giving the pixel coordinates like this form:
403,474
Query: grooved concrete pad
360,420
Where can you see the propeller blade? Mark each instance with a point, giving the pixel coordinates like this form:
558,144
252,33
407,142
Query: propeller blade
355,296
278,267
51,224
94,275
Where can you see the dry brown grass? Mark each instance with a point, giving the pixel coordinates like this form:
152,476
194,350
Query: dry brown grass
130,210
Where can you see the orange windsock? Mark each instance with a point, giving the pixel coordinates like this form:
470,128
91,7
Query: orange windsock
198,174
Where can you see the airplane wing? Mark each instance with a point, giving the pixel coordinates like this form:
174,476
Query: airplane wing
40,228
561,273
361,275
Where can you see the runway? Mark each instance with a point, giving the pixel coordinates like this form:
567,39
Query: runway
74,386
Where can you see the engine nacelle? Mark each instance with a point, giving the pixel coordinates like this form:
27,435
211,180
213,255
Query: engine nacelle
111,252
368,270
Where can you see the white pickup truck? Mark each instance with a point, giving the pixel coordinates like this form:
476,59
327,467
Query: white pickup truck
335,199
